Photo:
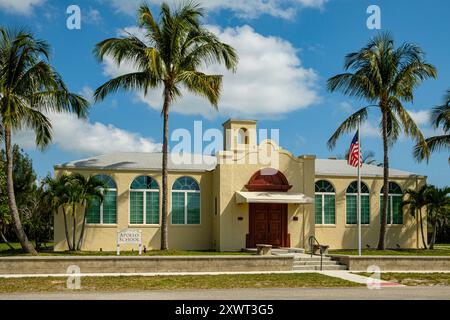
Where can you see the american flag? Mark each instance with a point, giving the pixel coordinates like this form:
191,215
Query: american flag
354,152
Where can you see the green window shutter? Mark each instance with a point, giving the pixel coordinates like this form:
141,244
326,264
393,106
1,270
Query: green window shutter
152,207
318,208
329,209
93,212
397,210
351,204
178,208
193,208
136,207
365,209
109,208
352,209
388,216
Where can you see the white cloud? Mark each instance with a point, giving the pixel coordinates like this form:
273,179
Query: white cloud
285,9
270,79
421,117
92,16
87,93
345,107
83,137
370,128
24,7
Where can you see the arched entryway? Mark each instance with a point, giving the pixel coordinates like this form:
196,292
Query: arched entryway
268,221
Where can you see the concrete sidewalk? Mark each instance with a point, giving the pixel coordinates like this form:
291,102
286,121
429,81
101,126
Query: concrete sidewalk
342,274
361,293
337,273
345,275
150,274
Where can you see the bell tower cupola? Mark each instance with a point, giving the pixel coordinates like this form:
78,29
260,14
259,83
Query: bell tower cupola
239,135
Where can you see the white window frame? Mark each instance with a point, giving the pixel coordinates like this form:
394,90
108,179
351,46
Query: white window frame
186,208
391,207
323,194
101,208
355,194
391,202
144,210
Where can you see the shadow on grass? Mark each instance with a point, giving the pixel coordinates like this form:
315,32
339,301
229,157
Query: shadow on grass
47,250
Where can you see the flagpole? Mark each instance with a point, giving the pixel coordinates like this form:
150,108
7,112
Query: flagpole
359,188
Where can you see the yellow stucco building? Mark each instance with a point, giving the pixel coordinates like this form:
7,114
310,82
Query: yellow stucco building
247,194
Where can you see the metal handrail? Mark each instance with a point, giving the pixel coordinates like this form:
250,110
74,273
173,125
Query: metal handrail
311,241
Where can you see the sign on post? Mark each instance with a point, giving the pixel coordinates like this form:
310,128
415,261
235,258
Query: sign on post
129,236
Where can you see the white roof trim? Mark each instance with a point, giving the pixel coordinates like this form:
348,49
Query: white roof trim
331,167
271,197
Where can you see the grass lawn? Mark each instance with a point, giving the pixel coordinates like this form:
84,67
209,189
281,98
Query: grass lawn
439,250
6,251
416,279
132,283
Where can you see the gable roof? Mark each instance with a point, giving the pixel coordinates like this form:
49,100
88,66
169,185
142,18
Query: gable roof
153,161
140,161
332,167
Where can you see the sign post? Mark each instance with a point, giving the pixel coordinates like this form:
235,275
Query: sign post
129,236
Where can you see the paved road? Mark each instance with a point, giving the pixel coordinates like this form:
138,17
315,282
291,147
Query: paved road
398,293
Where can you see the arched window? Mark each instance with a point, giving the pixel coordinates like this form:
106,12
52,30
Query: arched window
104,212
325,203
395,212
242,136
144,201
185,201
351,199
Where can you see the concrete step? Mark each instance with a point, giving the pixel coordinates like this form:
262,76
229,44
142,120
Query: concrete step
278,251
317,267
308,258
296,250
315,263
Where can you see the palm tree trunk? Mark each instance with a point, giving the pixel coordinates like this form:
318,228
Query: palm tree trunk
27,246
164,229
5,240
421,230
66,229
382,236
83,227
433,237
74,236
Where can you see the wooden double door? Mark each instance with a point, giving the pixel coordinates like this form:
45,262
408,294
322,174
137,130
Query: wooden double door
268,225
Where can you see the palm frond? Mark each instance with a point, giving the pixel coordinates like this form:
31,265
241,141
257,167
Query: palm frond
147,21
356,85
349,124
208,86
410,128
410,76
441,114
40,124
434,144
203,47
130,81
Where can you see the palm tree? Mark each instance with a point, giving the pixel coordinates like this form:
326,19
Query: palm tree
66,193
385,76
56,198
439,116
29,87
416,201
5,218
175,47
438,209
91,189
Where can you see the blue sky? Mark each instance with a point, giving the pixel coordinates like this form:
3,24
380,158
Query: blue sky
288,49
